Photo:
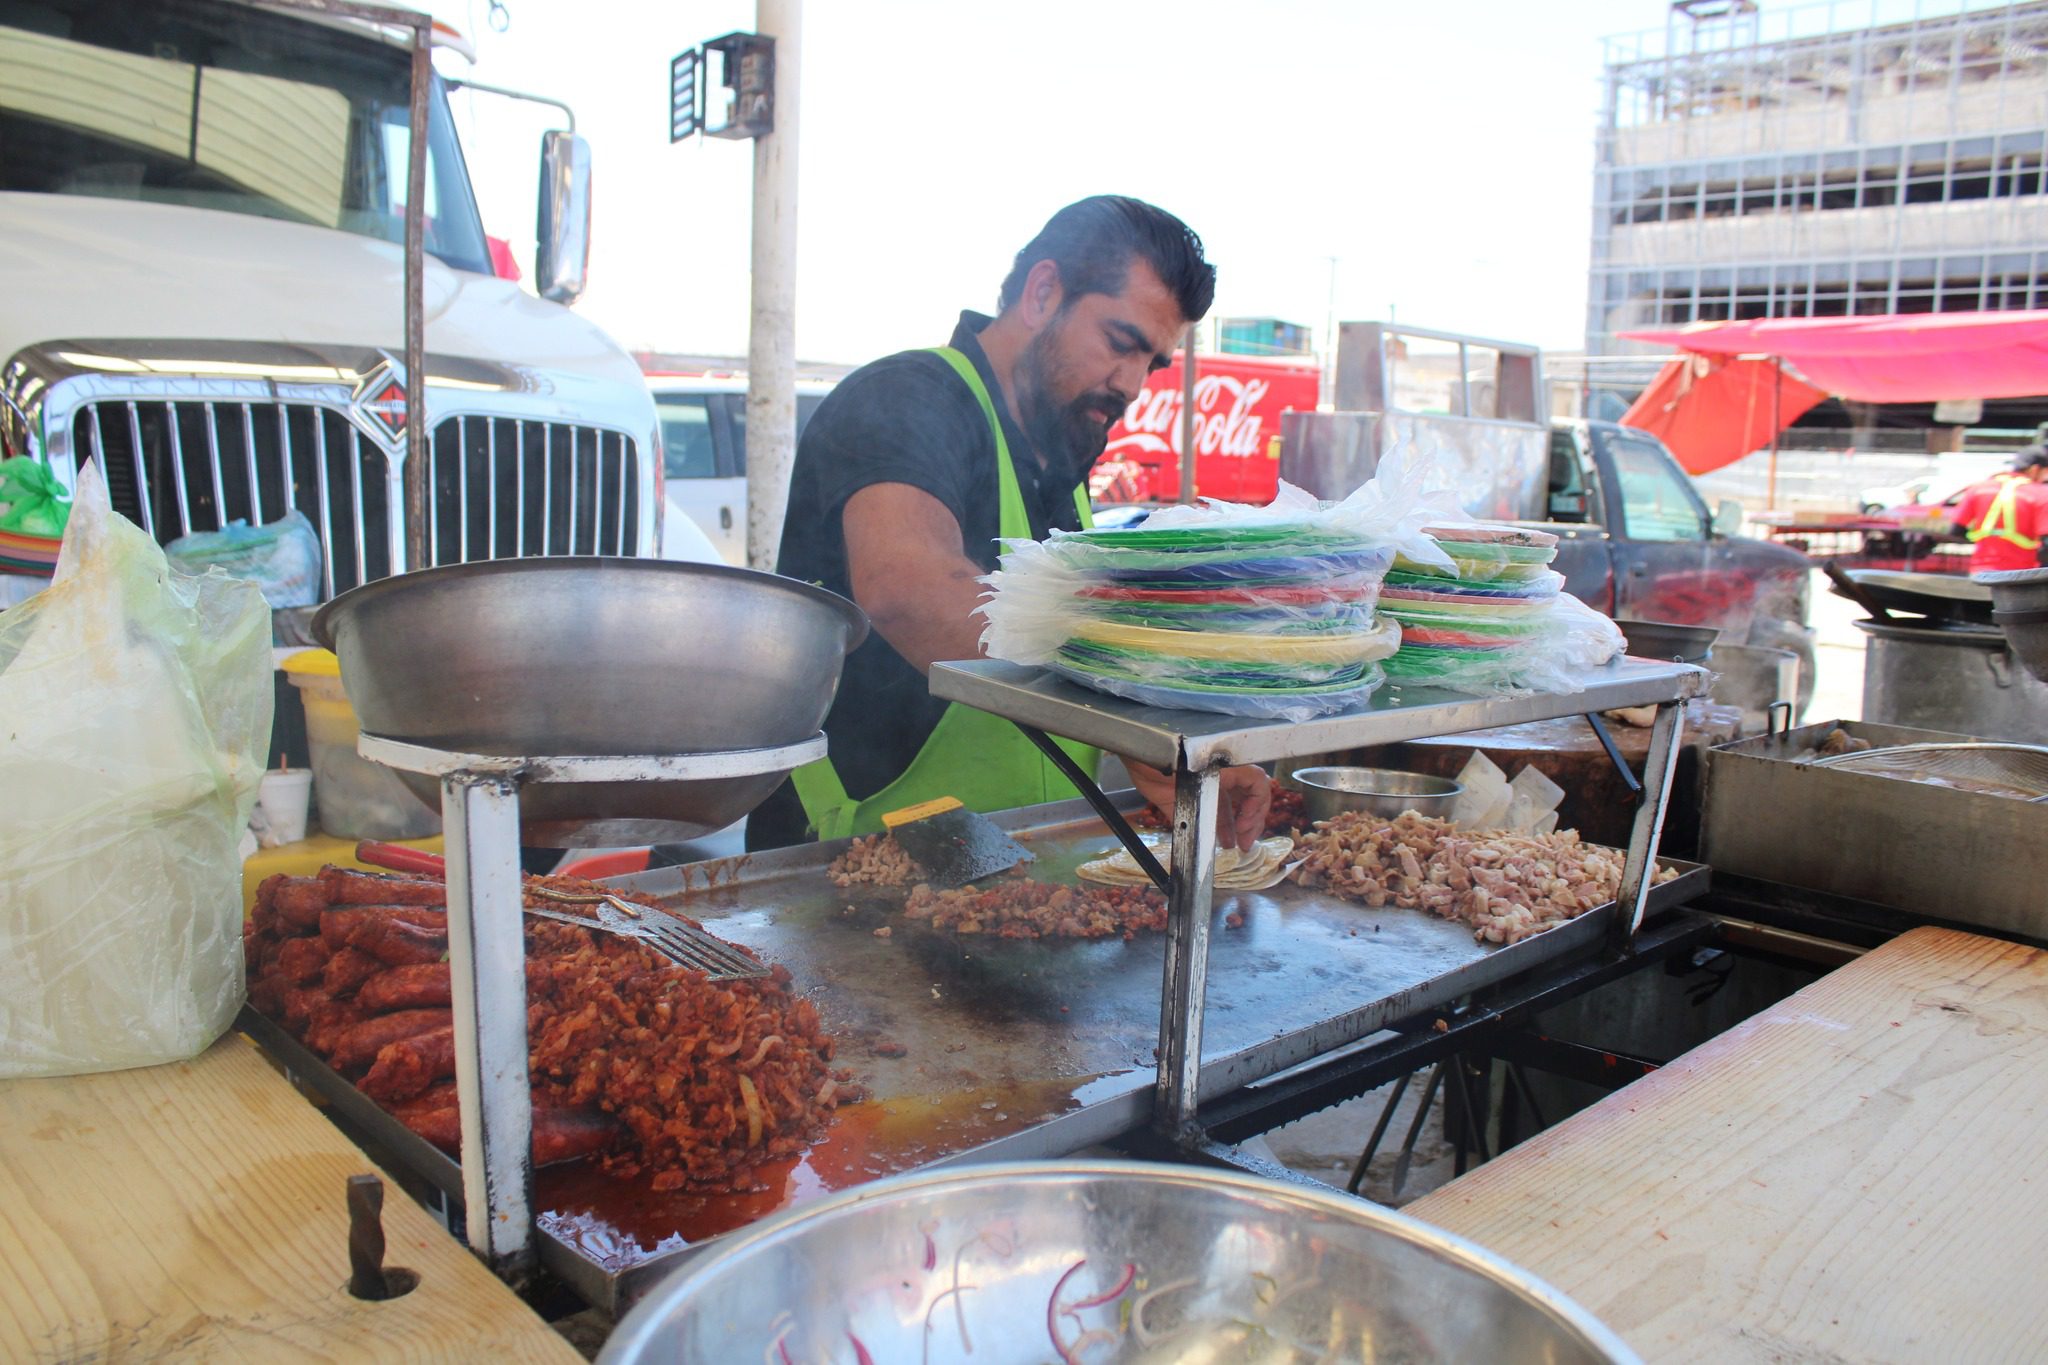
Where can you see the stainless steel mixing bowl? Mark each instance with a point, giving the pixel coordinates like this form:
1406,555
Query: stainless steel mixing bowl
596,656
1101,1261
1327,792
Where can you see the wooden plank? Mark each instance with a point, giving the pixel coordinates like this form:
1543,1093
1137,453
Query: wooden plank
196,1212
1847,1176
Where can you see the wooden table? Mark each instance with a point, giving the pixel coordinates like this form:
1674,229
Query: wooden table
1851,1175
196,1211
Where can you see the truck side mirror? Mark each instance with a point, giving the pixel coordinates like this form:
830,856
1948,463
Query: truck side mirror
562,259
1728,518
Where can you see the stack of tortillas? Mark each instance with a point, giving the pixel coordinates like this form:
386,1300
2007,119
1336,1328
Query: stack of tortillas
1265,866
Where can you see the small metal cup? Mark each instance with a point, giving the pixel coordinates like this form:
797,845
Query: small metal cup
1383,791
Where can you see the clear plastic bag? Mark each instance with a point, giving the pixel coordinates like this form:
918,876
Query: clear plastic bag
1269,704
135,704
1548,650
282,557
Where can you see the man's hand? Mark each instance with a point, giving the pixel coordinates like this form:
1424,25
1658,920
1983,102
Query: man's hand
1243,797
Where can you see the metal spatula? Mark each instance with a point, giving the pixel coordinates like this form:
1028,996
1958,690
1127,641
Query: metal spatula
952,844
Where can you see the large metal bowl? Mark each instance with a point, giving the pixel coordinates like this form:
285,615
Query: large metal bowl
596,656
2019,598
1329,792
1101,1261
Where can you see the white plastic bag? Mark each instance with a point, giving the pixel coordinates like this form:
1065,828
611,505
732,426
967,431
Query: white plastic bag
134,707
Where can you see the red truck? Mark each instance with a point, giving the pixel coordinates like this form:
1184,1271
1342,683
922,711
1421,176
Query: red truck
1238,402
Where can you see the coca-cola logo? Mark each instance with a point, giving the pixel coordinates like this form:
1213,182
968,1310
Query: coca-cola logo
1224,421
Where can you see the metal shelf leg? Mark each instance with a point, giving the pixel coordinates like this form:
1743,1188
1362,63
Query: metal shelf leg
1187,950
487,967
1639,872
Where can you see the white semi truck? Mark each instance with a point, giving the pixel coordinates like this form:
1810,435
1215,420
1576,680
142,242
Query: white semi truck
202,206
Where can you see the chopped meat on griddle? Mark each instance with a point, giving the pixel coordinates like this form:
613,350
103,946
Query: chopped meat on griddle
1022,908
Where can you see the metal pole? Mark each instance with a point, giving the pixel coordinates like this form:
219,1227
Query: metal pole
1177,1088
487,978
771,341
1777,390
1329,389
1187,416
416,472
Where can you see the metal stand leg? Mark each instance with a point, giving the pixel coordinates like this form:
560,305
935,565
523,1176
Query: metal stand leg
1379,1131
1187,950
1639,872
487,967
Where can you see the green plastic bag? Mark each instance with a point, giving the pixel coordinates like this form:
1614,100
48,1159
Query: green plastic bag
134,713
32,502
282,558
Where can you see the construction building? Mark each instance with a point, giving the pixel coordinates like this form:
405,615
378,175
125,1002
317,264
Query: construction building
1819,160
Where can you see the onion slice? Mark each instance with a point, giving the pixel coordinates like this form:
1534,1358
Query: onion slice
752,1099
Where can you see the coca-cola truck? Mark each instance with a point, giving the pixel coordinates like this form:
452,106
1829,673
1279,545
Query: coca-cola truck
1238,402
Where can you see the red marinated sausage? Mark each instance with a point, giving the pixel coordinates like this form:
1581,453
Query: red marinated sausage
299,902
381,888
360,1045
349,969
407,1067
336,925
418,986
399,944
302,960
558,1134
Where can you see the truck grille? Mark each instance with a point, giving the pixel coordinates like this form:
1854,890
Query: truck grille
501,487
505,488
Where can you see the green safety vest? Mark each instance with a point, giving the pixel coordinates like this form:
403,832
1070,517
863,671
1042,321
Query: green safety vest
979,759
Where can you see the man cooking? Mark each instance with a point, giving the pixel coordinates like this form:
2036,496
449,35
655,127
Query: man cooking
916,465
2006,516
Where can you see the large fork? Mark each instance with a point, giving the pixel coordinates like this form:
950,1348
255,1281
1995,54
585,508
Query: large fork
682,943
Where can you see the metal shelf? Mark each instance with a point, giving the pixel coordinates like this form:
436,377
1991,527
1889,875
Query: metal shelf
1197,746
1032,696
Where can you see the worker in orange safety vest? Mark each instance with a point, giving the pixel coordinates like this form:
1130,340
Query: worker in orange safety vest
2006,516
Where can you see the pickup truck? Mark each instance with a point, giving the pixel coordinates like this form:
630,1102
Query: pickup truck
1636,541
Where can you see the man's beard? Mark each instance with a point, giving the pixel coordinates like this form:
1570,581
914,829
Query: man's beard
1070,436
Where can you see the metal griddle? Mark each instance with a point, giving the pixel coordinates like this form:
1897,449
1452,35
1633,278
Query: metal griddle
1011,1049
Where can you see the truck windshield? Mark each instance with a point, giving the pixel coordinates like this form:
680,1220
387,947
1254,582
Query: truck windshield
218,105
1656,500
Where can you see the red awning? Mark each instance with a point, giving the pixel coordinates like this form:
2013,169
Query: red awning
1713,406
1895,358
1712,410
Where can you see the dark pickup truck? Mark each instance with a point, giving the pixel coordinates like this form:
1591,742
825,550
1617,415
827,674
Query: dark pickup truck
1637,541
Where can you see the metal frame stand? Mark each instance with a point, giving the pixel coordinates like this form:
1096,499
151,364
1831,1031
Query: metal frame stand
487,953
1196,748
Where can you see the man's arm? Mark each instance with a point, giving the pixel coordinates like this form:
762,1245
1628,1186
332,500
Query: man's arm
911,574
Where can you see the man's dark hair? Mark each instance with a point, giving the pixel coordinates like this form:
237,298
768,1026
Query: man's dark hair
1093,241
2029,458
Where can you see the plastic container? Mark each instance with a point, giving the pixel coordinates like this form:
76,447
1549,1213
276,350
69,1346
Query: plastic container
357,799
281,806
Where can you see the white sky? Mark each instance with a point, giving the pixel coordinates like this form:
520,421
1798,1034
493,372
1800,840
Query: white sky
1441,151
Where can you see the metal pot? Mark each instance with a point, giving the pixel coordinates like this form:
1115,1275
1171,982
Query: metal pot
1327,792
1959,678
2019,598
576,656
1754,679
1667,640
1937,596
1019,1262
